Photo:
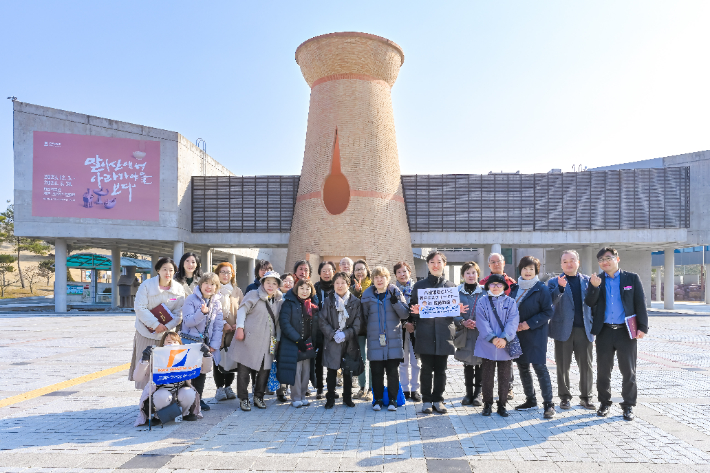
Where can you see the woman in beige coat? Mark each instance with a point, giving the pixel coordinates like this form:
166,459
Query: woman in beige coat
162,289
231,298
254,344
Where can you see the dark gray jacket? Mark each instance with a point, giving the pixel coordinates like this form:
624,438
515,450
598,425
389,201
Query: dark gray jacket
435,336
465,352
563,310
389,320
328,323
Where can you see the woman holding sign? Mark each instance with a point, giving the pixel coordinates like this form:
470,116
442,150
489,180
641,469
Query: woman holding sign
383,310
434,333
153,292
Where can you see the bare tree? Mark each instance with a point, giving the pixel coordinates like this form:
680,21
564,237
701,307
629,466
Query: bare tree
7,233
6,268
33,275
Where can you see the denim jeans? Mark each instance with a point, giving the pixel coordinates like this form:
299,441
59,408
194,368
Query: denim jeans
543,378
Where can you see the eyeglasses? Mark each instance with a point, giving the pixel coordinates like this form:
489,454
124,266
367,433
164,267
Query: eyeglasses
495,284
496,262
228,273
606,259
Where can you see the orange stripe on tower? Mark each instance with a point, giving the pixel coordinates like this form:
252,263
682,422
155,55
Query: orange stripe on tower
355,193
348,76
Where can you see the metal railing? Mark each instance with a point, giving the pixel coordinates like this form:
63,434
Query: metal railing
589,200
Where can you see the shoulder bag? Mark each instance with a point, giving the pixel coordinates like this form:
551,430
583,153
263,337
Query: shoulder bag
512,347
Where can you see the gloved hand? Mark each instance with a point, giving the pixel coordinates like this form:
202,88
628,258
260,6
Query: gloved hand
393,297
205,350
146,353
302,345
339,337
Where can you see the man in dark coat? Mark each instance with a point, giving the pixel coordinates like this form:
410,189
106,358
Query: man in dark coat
571,329
435,337
613,296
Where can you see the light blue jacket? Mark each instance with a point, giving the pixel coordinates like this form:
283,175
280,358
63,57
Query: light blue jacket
489,328
194,321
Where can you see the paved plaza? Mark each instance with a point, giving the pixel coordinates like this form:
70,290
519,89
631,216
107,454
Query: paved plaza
89,426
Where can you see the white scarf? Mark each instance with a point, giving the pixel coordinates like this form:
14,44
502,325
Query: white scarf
340,303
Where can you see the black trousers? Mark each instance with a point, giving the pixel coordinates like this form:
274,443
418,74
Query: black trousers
472,377
378,369
433,367
579,346
244,374
317,370
331,381
222,380
199,383
488,367
612,341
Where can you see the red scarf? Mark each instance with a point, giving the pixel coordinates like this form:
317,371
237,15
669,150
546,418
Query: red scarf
308,306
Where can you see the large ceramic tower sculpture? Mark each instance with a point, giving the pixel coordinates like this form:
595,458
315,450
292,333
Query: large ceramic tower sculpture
350,200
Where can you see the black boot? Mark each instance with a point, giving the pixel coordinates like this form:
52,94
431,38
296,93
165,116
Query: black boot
468,383
477,401
406,394
487,408
502,411
348,399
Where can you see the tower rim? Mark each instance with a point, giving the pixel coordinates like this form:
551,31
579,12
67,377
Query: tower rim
353,34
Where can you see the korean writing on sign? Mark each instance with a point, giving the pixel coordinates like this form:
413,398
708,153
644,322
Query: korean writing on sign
123,174
439,302
58,187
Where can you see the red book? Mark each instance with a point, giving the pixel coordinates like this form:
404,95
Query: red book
162,313
631,325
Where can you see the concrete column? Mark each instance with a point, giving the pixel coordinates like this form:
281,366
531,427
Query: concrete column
233,261
115,274
668,271
481,260
587,263
451,273
178,251
153,261
495,248
659,283
60,275
252,266
486,254
206,258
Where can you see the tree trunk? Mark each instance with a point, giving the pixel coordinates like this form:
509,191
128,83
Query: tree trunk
19,270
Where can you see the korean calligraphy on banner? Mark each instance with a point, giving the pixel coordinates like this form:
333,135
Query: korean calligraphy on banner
95,177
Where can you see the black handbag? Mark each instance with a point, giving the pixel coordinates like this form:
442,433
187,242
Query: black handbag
354,366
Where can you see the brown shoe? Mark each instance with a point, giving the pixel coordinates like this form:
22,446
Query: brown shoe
587,404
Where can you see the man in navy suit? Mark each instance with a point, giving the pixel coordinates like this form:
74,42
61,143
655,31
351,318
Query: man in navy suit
613,296
571,328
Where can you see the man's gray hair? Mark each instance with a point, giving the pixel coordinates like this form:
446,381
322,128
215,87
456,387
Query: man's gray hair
347,259
502,258
570,252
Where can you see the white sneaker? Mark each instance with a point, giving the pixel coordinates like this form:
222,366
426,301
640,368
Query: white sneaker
296,404
305,402
230,393
392,408
220,395
376,407
439,406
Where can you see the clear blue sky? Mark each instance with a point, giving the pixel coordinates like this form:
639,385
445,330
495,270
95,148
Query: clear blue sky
485,86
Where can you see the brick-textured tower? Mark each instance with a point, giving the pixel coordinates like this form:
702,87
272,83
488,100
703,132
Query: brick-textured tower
350,200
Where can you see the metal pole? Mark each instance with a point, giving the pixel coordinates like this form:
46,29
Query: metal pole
150,401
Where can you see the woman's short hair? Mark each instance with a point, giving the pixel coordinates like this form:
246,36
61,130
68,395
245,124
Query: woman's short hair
166,335
342,275
380,271
210,278
226,264
262,264
526,261
468,265
433,253
399,264
301,263
304,282
364,263
180,272
323,264
163,261
285,275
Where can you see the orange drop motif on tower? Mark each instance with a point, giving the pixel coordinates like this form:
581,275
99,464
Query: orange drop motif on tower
336,190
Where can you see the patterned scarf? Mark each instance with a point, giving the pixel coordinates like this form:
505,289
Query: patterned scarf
340,303
405,288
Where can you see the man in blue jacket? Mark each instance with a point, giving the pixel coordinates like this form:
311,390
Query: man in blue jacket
613,296
571,328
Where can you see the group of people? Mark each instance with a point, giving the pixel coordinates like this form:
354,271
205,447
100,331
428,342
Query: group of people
360,322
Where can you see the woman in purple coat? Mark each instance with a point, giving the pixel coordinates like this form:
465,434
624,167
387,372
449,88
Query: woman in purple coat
493,338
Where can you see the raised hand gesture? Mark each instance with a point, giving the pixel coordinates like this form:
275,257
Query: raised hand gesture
562,280
595,280
204,309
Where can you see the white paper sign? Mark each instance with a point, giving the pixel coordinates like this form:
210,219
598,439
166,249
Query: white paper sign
439,302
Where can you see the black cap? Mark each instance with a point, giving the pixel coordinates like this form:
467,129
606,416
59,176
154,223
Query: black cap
499,278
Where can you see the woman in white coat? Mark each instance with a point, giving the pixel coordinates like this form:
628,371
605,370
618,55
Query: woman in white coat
162,289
